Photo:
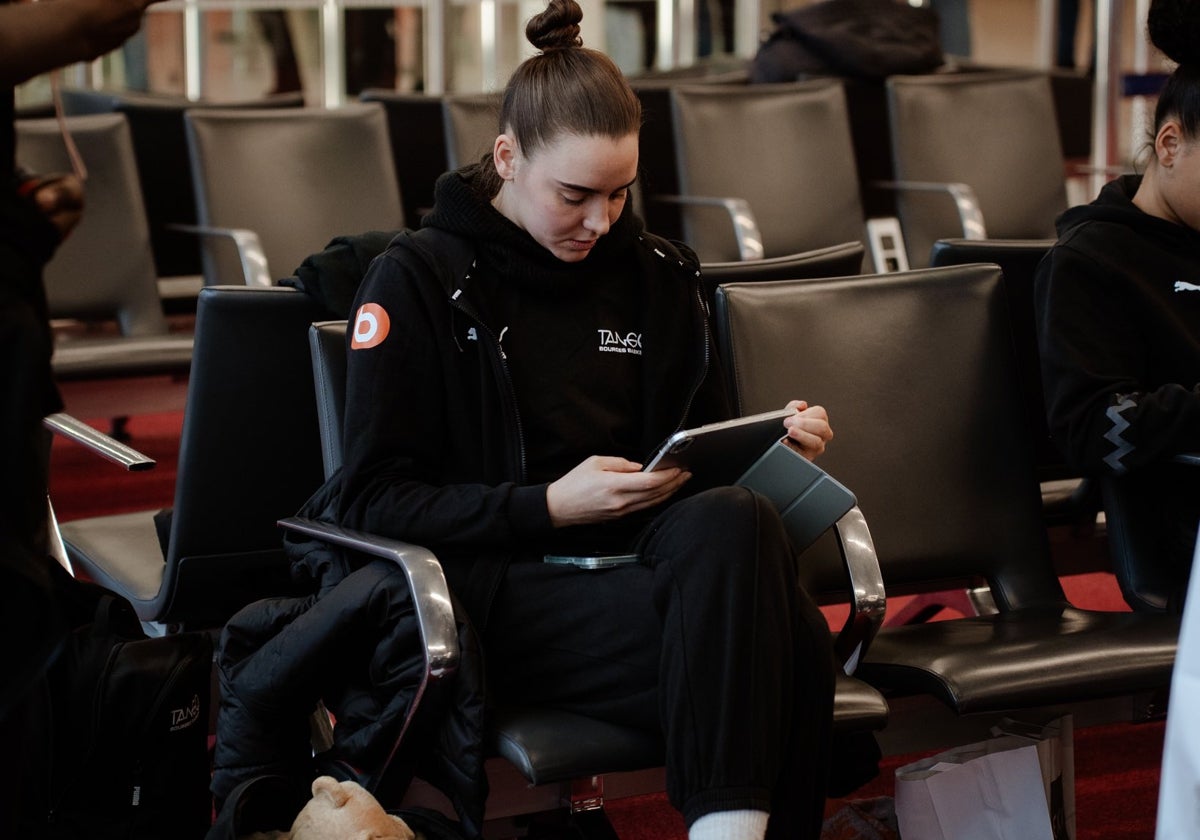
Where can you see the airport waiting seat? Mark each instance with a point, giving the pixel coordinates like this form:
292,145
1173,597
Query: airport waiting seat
160,149
247,456
979,155
656,141
840,260
417,133
1067,498
434,134
104,272
566,755
281,183
472,123
764,170
918,372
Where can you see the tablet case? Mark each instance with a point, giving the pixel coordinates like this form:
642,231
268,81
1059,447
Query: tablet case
808,499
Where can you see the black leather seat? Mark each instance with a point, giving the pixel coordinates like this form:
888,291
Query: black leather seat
247,457
918,372
160,149
1067,498
778,149
331,168
104,272
417,133
472,122
839,260
994,132
553,746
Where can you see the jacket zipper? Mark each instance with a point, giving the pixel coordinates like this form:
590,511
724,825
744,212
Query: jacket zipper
500,362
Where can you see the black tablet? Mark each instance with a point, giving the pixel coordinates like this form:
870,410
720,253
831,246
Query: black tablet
718,453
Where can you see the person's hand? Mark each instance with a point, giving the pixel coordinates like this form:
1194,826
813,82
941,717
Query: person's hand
60,199
604,488
808,429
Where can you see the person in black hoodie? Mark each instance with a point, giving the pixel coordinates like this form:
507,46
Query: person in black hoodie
500,415
1118,310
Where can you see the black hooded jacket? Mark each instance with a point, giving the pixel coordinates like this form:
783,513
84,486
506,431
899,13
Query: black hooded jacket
1118,311
435,444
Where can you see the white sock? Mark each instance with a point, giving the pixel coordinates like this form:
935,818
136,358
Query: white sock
730,825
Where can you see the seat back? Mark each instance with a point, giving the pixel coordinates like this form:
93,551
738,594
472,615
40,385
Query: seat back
995,131
1018,260
417,133
160,149
835,261
471,126
298,177
784,148
105,269
248,452
327,347
658,174
917,371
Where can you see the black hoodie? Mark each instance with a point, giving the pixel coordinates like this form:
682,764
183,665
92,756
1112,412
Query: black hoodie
1118,311
437,447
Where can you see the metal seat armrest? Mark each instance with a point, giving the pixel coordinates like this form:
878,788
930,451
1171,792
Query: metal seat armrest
866,584
745,225
430,593
965,201
253,259
100,443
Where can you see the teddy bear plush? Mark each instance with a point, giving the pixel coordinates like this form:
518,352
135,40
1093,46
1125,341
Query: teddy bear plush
341,811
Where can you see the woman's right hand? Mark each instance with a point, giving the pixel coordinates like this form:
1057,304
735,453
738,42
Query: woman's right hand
604,488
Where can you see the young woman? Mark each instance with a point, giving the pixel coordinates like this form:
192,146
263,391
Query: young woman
1118,306
500,414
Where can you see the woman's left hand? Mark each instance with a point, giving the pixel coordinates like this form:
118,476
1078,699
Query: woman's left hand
808,429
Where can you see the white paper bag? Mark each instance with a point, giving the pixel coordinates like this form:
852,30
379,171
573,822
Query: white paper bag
1011,787
1179,785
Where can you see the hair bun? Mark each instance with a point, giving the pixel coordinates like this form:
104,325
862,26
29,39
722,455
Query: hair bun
557,28
1174,27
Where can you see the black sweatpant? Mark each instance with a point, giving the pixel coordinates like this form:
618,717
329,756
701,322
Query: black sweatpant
709,637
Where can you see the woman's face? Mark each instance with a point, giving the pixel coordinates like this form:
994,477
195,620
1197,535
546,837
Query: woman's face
1174,191
568,193
1182,189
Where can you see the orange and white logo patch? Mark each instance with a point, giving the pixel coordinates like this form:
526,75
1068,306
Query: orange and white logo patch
371,325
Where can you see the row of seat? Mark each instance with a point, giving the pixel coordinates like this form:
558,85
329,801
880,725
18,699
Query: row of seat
774,158
945,128
743,170
970,154
932,438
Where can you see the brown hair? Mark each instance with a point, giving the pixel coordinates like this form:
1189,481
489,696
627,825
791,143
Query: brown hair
565,88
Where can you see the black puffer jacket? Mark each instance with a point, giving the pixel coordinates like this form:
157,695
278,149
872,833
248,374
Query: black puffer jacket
356,646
